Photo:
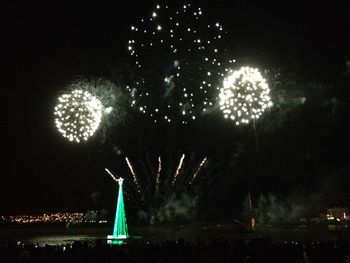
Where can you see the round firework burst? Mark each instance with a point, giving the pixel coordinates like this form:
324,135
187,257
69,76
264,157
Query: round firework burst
78,115
244,95
178,58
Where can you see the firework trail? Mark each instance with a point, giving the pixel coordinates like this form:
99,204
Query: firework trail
110,173
252,219
168,188
198,170
156,197
133,174
178,169
159,170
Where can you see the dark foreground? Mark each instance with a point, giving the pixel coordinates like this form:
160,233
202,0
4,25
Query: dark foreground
209,243
216,250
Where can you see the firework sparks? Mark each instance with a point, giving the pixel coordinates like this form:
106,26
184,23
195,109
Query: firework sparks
133,173
78,115
198,169
88,105
110,173
178,169
244,95
181,82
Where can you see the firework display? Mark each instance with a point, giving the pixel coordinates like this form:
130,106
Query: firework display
179,59
244,95
78,115
88,105
182,71
164,183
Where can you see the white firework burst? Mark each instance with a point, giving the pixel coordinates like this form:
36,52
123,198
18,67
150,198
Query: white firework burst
179,59
244,95
78,115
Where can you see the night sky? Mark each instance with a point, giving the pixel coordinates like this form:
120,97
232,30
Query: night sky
303,146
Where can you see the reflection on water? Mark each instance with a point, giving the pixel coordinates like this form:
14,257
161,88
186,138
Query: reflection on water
62,236
115,242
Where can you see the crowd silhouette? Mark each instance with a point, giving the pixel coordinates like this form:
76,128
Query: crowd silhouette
216,250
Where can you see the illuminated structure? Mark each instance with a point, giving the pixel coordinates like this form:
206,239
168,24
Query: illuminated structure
120,230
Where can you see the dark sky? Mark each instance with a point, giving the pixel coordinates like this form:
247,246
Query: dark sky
43,46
